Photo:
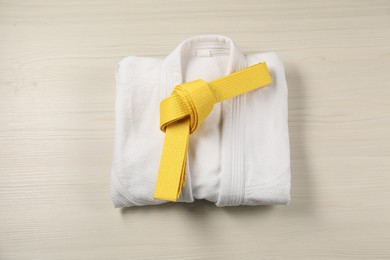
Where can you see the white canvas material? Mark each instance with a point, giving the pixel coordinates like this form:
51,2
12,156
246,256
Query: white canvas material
240,155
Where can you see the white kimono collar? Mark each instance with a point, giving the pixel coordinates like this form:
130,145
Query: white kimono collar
198,45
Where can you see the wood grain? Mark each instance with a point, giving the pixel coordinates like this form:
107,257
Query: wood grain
57,128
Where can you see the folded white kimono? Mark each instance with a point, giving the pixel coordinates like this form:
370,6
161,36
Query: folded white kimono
239,156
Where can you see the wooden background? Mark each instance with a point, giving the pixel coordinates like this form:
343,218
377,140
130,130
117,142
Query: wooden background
57,61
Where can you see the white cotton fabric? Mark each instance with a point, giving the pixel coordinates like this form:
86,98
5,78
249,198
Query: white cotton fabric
239,156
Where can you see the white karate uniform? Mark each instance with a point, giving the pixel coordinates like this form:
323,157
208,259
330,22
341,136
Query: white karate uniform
240,155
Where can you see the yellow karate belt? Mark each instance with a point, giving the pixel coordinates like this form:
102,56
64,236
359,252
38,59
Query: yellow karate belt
185,110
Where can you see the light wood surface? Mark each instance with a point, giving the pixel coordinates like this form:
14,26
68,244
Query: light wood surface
57,61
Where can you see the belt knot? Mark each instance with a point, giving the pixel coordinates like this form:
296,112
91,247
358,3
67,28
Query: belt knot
192,100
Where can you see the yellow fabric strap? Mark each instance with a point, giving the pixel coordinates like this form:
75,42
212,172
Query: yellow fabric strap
185,110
